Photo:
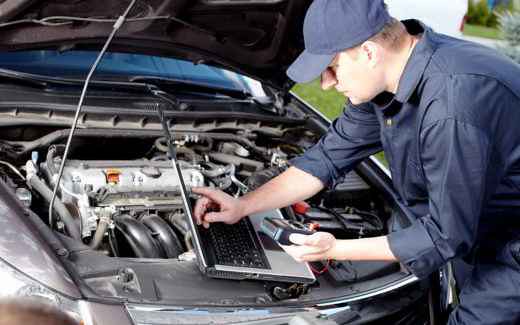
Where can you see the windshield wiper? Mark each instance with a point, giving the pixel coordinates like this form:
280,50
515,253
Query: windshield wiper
47,81
265,103
35,80
145,84
192,85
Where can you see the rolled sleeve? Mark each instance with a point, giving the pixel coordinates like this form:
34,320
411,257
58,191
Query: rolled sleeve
414,248
352,137
455,158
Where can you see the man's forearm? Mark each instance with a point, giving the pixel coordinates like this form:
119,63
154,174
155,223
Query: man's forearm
291,186
365,249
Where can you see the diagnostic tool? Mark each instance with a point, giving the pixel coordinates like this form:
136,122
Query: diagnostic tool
280,229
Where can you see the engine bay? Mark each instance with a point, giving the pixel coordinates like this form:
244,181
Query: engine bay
119,198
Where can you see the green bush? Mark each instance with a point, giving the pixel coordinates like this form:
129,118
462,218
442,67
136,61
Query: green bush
510,26
479,13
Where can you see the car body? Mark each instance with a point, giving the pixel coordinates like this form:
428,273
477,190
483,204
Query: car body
220,67
443,16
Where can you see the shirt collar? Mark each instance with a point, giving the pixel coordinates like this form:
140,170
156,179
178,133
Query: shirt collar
418,60
415,67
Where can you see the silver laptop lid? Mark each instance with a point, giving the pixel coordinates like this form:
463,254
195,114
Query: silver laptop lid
182,187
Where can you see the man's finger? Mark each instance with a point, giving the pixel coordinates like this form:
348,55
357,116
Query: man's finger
215,217
210,193
200,207
313,257
298,239
318,239
299,251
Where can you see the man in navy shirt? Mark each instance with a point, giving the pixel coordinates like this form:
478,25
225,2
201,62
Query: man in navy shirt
447,114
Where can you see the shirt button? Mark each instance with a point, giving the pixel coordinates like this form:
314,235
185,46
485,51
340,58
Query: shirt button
388,122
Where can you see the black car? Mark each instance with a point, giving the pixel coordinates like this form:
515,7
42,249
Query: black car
217,70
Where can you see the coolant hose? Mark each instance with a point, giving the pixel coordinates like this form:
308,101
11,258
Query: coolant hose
100,232
39,186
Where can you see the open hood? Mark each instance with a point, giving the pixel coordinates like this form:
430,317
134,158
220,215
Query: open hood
258,38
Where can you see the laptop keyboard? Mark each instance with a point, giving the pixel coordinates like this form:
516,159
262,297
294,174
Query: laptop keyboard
234,245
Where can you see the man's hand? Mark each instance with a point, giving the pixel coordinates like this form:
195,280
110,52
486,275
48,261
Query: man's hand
308,248
216,206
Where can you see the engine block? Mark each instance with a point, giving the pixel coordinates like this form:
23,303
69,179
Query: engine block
126,186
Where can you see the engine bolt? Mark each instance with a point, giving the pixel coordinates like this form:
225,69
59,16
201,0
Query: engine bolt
62,252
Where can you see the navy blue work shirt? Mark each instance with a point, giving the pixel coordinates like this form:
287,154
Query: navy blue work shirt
451,135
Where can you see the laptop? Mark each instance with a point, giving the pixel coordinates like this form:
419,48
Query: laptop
243,251
240,251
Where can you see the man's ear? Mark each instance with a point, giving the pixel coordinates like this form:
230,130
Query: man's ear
371,53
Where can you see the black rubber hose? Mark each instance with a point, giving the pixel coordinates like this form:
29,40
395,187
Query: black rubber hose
252,165
164,234
138,237
39,186
46,140
214,170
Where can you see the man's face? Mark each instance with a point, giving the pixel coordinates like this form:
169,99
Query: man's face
356,74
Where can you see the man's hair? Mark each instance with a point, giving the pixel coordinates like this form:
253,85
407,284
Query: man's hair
391,36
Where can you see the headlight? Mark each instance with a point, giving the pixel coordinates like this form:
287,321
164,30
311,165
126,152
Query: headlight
16,285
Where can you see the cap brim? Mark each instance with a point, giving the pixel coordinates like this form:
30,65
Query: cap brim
308,66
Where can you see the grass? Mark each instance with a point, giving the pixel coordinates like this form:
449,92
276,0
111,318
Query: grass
482,31
329,102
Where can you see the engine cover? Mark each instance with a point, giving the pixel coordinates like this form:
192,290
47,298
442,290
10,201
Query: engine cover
123,185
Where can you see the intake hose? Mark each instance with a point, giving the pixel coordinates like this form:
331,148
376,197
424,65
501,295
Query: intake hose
161,145
164,234
61,210
138,237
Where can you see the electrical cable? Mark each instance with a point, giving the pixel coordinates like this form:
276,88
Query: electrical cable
67,20
370,219
13,168
375,222
116,27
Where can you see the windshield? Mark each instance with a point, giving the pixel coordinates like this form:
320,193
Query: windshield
76,64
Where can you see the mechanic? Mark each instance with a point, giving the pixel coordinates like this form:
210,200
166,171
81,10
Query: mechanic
447,113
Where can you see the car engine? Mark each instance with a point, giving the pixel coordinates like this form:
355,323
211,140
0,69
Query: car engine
126,203
133,208
124,186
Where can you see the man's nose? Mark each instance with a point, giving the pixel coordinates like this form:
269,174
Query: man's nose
328,79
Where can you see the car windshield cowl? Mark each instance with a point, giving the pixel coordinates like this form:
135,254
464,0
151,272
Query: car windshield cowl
172,83
117,66
130,83
163,88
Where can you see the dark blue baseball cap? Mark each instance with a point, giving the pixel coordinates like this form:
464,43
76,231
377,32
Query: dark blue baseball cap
331,26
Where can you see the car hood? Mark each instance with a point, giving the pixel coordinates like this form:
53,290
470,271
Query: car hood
258,38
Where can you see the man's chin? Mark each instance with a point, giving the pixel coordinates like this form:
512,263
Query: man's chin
354,100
